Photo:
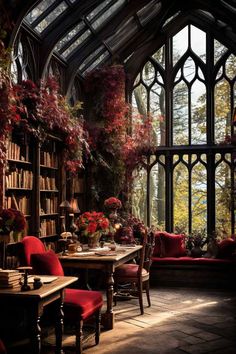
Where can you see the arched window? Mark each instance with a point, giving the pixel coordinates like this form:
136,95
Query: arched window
188,87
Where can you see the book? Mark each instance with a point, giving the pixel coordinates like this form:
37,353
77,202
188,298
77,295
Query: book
7,286
12,277
9,273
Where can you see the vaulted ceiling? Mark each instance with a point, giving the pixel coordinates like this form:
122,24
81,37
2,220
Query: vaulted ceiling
87,34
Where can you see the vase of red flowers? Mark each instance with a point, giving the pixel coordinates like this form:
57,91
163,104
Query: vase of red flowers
91,226
11,220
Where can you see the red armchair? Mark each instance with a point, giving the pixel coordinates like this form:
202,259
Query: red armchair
79,305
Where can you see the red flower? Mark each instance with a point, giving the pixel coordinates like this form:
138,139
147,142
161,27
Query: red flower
11,220
92,222
112,203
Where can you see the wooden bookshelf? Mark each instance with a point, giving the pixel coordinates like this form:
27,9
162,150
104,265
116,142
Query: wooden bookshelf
19,175
36,183
50,186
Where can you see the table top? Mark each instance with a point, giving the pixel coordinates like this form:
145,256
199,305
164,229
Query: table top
46,290
104,256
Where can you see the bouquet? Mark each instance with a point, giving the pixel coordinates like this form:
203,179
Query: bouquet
11,220
90,223
112,203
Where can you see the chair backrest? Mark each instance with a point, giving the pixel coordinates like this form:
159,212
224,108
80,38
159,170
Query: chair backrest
46,263
31,245
149,248
143,252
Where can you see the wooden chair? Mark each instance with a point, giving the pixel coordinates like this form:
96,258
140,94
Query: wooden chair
131,279
79,305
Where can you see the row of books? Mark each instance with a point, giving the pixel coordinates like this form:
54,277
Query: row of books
16,152
49,205
48,227
21,203
9,278
20,179
47,183
48,159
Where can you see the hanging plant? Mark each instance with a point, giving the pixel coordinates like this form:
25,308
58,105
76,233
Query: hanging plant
42,109
117,153
107,125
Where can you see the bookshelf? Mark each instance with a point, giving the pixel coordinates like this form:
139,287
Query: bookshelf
50,186
19,175
35,182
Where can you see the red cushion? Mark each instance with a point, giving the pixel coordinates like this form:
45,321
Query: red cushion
81,304
31,245
128,270
226,248
2,348
46,263
172,245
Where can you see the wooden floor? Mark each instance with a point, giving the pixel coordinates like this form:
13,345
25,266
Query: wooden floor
179,321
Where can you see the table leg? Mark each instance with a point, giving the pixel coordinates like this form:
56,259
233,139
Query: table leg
59,325
35,330
108,317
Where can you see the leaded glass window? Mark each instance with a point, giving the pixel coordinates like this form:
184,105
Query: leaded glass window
189,90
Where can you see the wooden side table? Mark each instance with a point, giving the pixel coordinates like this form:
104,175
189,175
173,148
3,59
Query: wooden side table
34,302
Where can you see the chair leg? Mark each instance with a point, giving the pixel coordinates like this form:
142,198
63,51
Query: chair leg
140,296
147,287
79,337
97,326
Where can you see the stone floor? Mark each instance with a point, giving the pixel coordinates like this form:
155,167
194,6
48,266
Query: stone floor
179,321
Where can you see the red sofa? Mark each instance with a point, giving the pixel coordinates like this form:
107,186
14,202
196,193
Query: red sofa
171,264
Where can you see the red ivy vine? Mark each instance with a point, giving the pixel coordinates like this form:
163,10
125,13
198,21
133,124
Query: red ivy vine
110,123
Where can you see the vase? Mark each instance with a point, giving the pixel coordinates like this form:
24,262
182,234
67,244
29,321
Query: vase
93,240
196,252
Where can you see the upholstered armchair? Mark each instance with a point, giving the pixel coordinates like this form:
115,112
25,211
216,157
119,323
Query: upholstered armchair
79,305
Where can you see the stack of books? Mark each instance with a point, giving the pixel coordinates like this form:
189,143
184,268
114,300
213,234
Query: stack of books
9,278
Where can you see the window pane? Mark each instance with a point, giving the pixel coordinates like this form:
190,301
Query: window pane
38,10
69,36
139,195
139,99
157,111
148,73
189,69
199,197
180,44
223,200
76,43
180,114
157,195
180,197
51,17
230,67
222,110
159,56
198,42
198,113
219,50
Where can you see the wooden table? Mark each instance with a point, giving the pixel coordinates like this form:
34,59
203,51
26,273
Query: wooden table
34,302
106,264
